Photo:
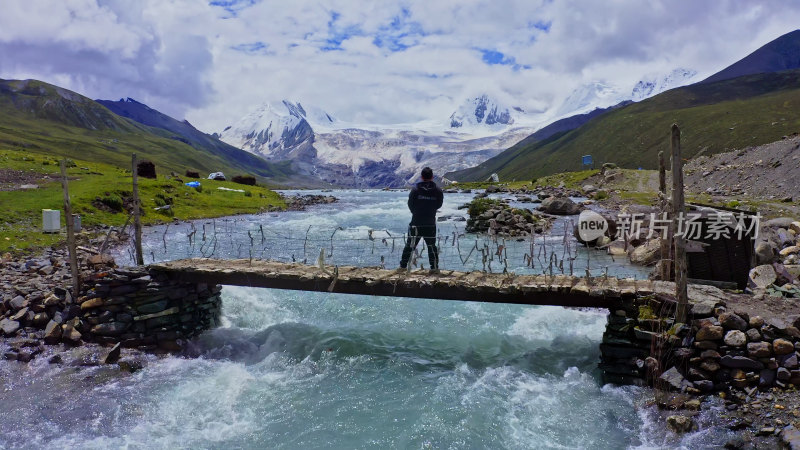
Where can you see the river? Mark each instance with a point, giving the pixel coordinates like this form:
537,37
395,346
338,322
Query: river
312,370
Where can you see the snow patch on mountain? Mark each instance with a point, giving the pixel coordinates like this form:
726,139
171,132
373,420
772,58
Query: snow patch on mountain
589,96
654,84
481,111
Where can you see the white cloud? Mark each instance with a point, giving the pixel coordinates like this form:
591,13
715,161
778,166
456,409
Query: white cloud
380,62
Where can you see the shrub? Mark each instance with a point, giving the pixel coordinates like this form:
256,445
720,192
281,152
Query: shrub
248,194
161,199
733,204
245,179
192,174
600,195
481,205
113,202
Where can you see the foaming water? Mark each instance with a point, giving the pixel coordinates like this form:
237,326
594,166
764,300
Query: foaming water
294,369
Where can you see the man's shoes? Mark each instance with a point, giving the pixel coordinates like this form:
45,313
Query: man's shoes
434,272
401,270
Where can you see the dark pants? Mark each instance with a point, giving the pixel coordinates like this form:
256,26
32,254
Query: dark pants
415,232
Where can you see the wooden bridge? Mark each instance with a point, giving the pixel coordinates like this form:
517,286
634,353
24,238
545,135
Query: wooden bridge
559,290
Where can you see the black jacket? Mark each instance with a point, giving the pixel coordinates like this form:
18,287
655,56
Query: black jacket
423,201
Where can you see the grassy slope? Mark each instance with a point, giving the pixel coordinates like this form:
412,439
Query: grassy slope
737,113
48,120
20,226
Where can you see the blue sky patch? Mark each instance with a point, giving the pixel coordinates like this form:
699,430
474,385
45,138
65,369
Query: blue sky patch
400,33
338,34
541,25
233,6
494,57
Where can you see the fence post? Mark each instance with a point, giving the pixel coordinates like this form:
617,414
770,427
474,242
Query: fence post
681,293
666,239
137,219
73,256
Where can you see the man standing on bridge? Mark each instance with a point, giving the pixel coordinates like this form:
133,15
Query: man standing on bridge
423,201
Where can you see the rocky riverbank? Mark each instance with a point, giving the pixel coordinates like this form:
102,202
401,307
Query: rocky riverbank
129,308
301,202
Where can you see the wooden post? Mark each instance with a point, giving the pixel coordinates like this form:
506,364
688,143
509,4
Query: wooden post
666,239
73,256
137,219
681,293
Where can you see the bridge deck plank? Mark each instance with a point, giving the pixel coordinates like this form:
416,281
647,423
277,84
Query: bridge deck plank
563,290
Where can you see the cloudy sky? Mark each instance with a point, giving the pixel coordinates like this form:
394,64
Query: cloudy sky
370,61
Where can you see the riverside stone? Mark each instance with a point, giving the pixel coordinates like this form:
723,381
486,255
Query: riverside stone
674,379
19,315
782,347
756,322
740,362
9,327
732,321
113,354
92,303
789,361
759,349
753,335
679,423
710,354
763,276
18,303
52,333
736,338
710,333
69,333
110,328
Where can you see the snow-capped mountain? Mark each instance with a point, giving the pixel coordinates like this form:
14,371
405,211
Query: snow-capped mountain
656,84
276,131
482,111
589,96
365,156
357,155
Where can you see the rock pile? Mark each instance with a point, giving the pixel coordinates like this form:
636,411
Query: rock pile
300,202
734,350
131,307
497,217
778,255
115,306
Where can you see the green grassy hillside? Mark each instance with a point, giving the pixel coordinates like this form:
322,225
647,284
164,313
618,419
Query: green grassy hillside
713,117
41,118
102,193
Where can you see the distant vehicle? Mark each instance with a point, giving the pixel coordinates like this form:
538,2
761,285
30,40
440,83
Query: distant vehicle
219,176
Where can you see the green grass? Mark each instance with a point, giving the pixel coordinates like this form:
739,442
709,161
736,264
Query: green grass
715,117
20,226
571,180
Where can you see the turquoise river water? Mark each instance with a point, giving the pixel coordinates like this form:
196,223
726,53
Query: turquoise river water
305,370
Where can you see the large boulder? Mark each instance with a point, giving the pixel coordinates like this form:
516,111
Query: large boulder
765,252
560,206
647,254
763,276
780,222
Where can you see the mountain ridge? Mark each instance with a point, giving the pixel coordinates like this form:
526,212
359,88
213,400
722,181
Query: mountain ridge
48,119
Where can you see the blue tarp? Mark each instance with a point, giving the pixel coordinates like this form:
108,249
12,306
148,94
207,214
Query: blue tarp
193,184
